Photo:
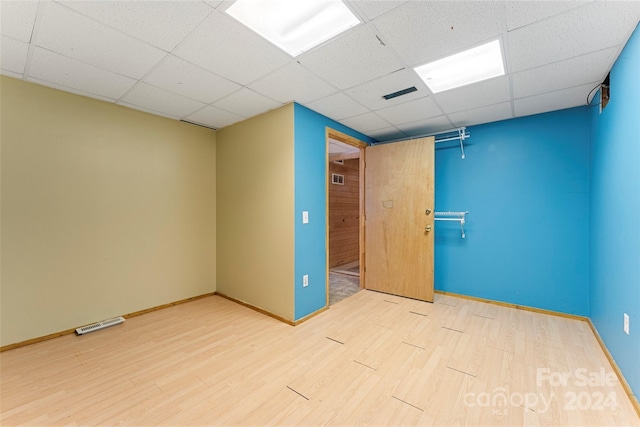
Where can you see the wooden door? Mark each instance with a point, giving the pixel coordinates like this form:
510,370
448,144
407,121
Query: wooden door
399,211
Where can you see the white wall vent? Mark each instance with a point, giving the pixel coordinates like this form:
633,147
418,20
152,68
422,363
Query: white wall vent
337,179
99,325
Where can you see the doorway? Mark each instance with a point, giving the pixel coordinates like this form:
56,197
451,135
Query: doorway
345,206
397,243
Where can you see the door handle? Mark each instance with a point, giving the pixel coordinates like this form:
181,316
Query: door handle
427,228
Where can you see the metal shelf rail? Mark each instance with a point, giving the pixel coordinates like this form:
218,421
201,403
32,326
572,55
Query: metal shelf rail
452,216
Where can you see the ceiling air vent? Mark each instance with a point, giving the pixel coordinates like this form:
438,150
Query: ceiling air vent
400,93
337,179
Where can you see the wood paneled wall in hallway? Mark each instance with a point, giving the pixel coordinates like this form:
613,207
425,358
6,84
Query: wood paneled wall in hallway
344,213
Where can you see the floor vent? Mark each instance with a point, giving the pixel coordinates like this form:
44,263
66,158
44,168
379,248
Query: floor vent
99,325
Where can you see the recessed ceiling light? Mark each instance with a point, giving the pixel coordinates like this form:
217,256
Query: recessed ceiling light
294,25
471,66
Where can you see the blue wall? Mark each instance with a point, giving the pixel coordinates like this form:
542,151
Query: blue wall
525,183
310,195
554,212
615,214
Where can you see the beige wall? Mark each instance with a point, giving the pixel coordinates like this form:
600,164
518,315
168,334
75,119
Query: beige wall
105,211
255,211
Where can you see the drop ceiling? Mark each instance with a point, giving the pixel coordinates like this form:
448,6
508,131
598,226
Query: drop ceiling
337,147
189,60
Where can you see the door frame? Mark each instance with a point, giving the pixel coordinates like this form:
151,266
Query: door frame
355,142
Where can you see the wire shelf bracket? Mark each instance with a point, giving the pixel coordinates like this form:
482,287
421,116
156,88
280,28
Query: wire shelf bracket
448,135
456,134
453,216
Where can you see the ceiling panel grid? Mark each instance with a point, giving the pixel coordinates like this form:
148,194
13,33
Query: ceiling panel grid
189,60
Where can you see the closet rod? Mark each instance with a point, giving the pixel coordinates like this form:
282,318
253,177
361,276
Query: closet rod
447,135
459,133
450,213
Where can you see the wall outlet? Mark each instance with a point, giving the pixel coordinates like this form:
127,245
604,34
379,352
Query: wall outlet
305,280
305,217
626,323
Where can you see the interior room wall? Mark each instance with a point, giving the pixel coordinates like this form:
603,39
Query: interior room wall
344,213
311,196
525,183
255,208
615,213
105,210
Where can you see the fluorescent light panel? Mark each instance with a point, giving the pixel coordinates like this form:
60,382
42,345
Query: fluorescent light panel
294,25
471,66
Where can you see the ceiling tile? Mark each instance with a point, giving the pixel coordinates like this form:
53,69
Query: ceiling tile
69,89
71,34
572,72
292,83
488,92
521,13
161,23
371,94
337,147
69,73
17,19
177,75
337,106
214,117
247,103
488,114
374,8
411,111
355,57
366,122
147,110
387,134
551,101
427,126
222,45
593,27
156,99
421,31
14,55
11,74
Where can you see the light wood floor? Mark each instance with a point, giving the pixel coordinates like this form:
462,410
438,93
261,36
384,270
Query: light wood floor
371,359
